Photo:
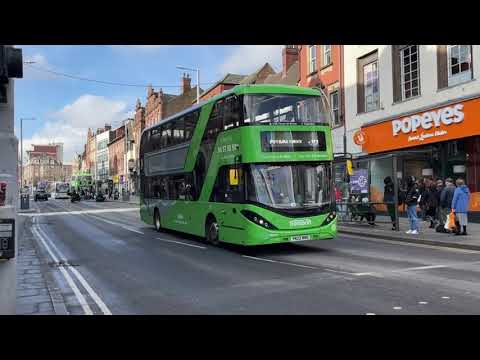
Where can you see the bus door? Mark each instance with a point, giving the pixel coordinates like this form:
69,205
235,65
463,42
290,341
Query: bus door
228,193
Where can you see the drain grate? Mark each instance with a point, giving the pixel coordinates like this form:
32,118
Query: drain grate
61,263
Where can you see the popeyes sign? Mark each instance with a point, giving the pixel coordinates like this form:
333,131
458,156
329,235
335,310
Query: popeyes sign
445,123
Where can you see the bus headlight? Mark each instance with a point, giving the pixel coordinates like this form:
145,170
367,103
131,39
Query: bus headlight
257,219
329,218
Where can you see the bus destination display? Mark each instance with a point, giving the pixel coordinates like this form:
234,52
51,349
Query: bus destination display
287,141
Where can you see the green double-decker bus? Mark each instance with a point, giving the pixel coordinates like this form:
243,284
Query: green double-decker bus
81,181
250,166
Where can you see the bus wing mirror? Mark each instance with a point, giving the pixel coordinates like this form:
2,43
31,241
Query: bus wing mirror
349,168
233,178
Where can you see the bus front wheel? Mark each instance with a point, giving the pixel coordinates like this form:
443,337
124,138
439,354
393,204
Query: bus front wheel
156,220
211,231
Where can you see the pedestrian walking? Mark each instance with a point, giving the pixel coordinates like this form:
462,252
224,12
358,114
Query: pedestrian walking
461,199
430,202
389,198
411,200
446,198
438,193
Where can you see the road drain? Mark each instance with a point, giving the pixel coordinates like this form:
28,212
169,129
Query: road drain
61,263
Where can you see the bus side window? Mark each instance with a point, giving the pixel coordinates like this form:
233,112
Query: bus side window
178,131
215,122
190,123
232,112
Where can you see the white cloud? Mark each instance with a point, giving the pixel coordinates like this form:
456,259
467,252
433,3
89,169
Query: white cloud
245,59
70,124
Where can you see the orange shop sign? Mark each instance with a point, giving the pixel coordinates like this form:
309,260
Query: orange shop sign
449,122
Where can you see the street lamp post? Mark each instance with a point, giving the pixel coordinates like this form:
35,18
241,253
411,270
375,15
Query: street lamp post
198,80
21,151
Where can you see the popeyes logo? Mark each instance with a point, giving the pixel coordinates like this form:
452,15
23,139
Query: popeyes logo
429,120
359,137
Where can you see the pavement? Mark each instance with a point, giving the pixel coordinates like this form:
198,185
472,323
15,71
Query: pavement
36,291
103,260
427,236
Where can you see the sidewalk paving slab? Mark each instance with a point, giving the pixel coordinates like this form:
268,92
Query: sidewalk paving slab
426,235
37,293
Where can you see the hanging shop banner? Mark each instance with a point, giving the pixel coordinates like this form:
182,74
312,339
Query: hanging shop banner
454,121
359,181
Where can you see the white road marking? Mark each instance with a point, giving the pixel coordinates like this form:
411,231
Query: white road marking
92,293
281,262
339,272
78,212
397,308
370,314
182,243
421,268
423,302
364,274
80,298
446,297
126,227
77,274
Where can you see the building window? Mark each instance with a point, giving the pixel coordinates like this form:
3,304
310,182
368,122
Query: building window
410,72
327,55
459,64
312,58
334,104
370,81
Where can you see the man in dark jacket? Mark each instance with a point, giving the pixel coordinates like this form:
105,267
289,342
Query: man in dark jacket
429,201
438,193
446,197
412,201
388,197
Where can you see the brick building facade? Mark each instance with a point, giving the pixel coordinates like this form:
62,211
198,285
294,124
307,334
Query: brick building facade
116,158
44,163
322,66
90,155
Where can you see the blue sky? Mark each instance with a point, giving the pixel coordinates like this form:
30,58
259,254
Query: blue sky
64,108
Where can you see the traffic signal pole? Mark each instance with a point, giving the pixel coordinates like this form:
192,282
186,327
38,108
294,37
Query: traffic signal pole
8,201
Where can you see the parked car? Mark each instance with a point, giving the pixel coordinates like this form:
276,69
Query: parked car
41,195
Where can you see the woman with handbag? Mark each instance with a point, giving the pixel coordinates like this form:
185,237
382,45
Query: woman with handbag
460,202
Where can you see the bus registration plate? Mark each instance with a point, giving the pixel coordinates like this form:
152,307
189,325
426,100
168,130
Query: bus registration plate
300,238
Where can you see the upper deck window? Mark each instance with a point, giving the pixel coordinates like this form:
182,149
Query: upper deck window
285,109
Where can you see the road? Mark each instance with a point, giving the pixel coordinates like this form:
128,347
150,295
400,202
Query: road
115,264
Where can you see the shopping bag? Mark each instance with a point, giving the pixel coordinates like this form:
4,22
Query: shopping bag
450,223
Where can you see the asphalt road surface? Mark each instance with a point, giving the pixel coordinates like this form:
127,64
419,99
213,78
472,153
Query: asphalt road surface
106,261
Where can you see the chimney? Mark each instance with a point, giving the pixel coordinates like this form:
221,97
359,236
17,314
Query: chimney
108,127
186,83
289,55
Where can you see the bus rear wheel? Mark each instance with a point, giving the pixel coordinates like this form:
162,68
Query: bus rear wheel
156,220
211,231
